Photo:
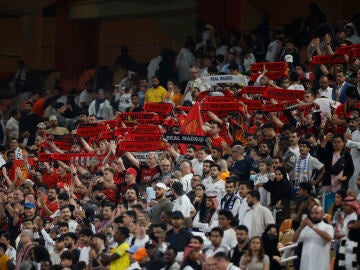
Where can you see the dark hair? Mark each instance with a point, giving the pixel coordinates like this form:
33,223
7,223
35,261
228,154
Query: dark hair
230,180
67,255
207,161
71,235
108,204
3,246
124,231
131,213
199,238
226,213
306,186
255,194
63,224
63,196
41,254
217,166
161,225
86,231
283,172
219,230
233,66
40,241
341,192
242,228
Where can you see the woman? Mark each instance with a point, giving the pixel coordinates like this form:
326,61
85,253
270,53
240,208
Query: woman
270,238
200,197
255,258
37,255
338,163
281,193
335,210
191,258
207,218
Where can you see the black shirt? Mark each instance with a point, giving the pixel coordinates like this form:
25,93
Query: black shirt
178,240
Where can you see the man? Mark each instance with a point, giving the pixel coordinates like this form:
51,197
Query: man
169,258
264,152
10,250
159,231
206,177
195,181
70,243
12,125
194,82
294,143
98,241
165,170
155,262
135,104
59,248
242,237
182,202
146,170
216,186
92,206
241,166
350,207
130,198
230,201
186,175
306,165
225,219
28,123
257,217
216,155
325,91
213,132
216,238
55,129
223,262
107,213
84,238
197,163
100,107
65,214
29,210
48,205
242,193
162,203
118,258
26,238
178,237
339,92
288,156
156,92
258,120
316,236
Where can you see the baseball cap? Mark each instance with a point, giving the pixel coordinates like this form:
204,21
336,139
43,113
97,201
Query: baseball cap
60,238
161,185
41,125
289,58
131,171
140,254
29,205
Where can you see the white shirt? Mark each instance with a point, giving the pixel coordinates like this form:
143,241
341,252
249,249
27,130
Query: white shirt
141,242
296,87
72,225
327,93
316,250
84,255
184,205
124,102
186,182
229,238
347,219
242,209
85,97
12,127
217,188
295,150
271,50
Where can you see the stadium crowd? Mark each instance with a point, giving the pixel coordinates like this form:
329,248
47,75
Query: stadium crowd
102,181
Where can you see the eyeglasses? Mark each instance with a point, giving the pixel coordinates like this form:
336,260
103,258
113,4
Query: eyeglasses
198,189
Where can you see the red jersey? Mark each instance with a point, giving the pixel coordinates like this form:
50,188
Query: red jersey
53,207
147,173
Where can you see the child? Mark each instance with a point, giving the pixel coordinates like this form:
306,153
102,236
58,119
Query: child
261,178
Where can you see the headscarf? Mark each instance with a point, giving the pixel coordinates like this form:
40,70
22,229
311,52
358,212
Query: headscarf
190,247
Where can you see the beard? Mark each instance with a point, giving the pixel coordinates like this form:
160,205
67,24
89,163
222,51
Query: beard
315,220
250,204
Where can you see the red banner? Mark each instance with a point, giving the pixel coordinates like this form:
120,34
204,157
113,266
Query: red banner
158,107
147,129
253,90
283,94
219,99
90,130
221,106
193,122
328,59
271,66
131,116
272,75
143,136
137,146
252,104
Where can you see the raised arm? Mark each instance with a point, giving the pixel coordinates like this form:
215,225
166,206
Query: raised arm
132,159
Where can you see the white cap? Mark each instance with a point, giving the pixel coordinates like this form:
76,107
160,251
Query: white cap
161,185
289,58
